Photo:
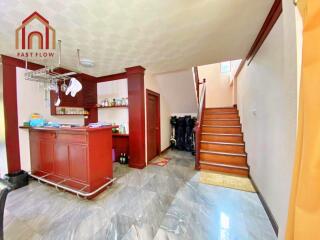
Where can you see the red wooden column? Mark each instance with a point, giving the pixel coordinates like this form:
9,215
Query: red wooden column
135,76
11,113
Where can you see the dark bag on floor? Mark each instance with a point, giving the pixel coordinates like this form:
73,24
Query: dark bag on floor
189,123
180,133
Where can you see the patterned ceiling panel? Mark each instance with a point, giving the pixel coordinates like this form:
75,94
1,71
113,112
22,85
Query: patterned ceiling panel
162,36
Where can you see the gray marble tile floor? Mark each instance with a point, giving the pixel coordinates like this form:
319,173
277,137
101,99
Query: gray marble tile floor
161,203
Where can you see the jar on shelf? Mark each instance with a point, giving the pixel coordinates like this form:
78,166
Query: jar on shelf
123,102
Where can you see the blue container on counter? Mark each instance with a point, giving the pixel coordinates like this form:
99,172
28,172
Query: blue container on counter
38,122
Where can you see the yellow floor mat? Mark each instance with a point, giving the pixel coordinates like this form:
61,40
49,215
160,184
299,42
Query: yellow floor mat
228,181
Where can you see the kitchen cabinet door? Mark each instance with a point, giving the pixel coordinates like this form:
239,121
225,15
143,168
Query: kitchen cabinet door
61,161
46,155
35,153
78,162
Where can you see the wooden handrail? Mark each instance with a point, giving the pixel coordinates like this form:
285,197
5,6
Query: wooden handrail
266,28
196,81
198,126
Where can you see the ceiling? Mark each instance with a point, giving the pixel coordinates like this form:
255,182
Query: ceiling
161,36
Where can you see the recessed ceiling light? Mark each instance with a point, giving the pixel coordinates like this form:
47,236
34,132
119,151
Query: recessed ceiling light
86,62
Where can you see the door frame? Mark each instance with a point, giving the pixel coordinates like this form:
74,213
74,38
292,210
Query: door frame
158,143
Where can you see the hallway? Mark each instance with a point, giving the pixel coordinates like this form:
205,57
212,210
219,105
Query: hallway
153,203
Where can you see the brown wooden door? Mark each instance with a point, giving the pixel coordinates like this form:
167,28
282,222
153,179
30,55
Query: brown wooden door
153,124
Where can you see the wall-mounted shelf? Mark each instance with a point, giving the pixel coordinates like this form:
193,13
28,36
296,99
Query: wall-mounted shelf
122,106
69,111
69,114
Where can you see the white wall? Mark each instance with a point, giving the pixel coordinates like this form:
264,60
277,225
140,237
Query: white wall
177,97
113,89
31,99
267,102
178,90
219,92
152,84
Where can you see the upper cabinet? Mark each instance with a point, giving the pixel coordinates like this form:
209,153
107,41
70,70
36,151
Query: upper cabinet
69,101
86,98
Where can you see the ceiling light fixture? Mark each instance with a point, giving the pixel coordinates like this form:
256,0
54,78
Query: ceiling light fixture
86,62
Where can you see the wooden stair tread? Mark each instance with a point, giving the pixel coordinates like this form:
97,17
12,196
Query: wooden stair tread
228,107
210,117
220,119
224,165
223,134
223,153
223,143
217,113
218,126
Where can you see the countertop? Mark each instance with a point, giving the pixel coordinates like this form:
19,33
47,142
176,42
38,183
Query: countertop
72,129
77,129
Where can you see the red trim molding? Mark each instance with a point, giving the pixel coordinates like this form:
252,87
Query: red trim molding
112,77
266,28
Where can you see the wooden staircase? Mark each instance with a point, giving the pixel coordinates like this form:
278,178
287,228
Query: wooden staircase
222,148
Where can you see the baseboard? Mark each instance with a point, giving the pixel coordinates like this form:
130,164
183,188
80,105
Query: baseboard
164,150
266,207
139,166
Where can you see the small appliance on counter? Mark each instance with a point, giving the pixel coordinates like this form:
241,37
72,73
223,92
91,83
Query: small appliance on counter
37,120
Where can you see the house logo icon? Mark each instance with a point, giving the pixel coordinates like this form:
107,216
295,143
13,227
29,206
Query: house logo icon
35,37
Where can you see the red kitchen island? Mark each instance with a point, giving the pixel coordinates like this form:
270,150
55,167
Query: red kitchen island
78,160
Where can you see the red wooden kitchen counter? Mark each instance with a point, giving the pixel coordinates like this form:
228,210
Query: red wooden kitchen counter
77,159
